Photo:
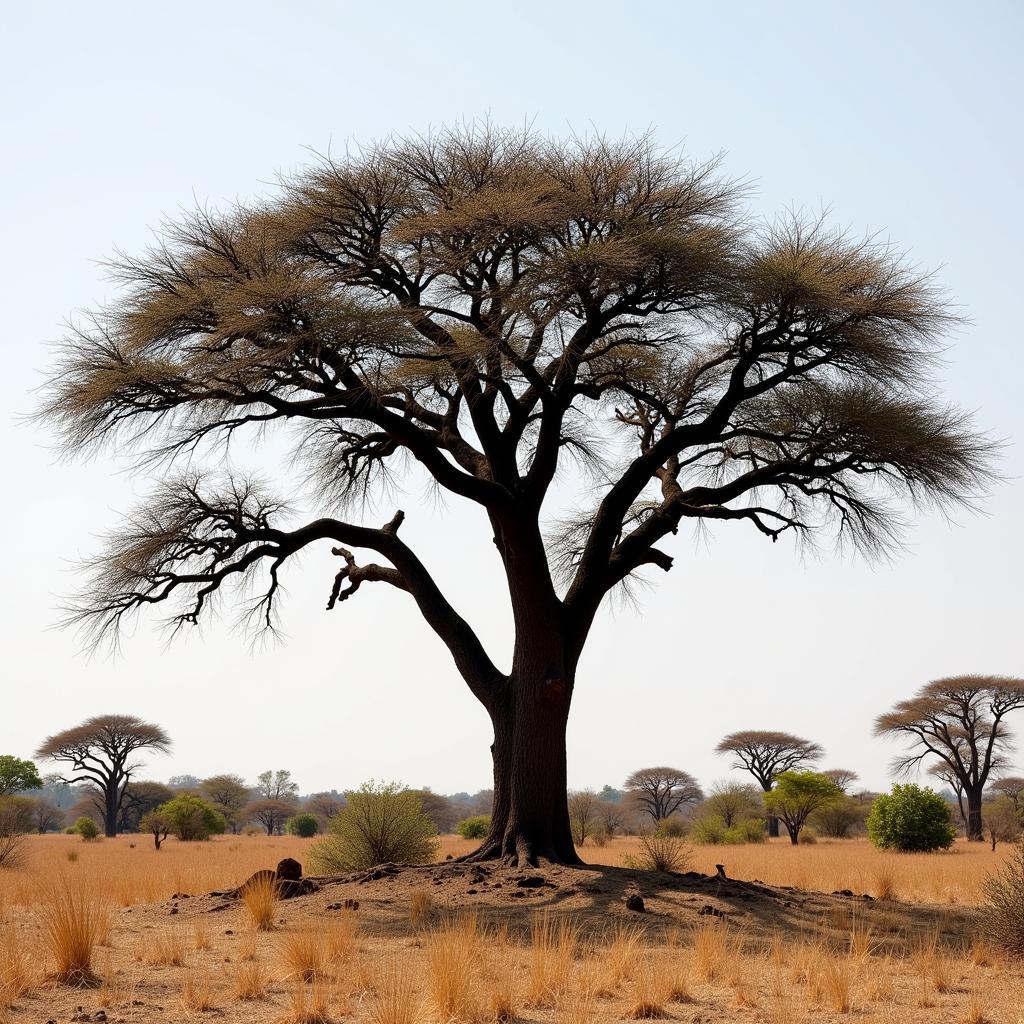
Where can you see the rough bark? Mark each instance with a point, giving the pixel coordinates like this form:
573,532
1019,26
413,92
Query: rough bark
975,825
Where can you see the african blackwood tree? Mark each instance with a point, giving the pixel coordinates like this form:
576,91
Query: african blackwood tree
960,722
663,791
481,307
766,754
102,752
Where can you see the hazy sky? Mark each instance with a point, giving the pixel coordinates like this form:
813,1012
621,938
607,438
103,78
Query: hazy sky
902,118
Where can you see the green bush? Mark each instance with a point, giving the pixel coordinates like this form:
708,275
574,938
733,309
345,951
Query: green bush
191,818
746,830
675,828
708,830
302,824
911,819
808,836
474,828
86,828
381,823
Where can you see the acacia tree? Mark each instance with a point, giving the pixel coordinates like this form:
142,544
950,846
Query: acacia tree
271,814
663,791
959,721
766,754
844,778
229,794
101,752
944,773
277,785
481,307
1012,787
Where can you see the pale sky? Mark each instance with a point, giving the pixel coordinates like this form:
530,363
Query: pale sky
901,118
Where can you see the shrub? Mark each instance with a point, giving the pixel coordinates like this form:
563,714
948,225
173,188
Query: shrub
1003,892
191,818
381,823
808,836
157,824
662,853
839,820
911,819
745,830
86,828
302,824
708,830
674,827
474,828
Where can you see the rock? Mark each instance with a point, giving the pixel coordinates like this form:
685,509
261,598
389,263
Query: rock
349,904
530,881
843,892
173,910
289,869
709,911
635,902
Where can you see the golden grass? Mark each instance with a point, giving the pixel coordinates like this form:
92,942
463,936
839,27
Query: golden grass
305,955
197,991
260,901
74,920
250,980
453,950
553,945
397,1000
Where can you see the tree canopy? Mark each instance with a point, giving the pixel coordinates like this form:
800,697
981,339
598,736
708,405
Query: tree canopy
17,774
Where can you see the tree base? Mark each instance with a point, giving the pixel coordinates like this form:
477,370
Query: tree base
521,852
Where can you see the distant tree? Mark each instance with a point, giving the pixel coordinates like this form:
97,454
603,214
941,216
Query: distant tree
583,804
766,754
17,814
796,795
844,778
1002,820
86,827
158,825
46,815
734,802
608,794
961,723
277,785
17,775
325,806
192,818
185,782
229,794
942,771
1012,787
102,752
475,827
271,814
302,824
610,816
663,791
838,820
911,819
138,799
439,809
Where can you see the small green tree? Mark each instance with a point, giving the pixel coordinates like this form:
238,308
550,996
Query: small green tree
191,818
911,819
17,775
796,796
157,824
1002,820
86,828
380,823
475,827
838,820
302,824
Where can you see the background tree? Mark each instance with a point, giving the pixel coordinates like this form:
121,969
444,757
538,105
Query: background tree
187,782
439,809
766,754
479,308
796,796
662,791
324,806
271,814
583,804
229,794
46,815
101,752
610,816
1001,820
942,771
17,775
734,802
192,818
844,778
277,785
158,825
959,721
1012,787
138,799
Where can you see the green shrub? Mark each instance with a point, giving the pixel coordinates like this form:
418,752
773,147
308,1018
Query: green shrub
746,830
840,819
708,830
381,823
474,828
86,828
797,795
675,828
302,824
191,818
808,836
911,819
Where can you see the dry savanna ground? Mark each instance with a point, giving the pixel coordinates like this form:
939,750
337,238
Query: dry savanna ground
455,944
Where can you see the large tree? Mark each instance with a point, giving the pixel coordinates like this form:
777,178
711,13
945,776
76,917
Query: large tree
960,722
229,794
102,752
17,775
479,308
766,754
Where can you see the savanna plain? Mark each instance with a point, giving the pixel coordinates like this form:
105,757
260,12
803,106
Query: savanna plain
789,934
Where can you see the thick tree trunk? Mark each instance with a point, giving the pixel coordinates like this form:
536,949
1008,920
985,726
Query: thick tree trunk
794,833
112,808
975,827
530,818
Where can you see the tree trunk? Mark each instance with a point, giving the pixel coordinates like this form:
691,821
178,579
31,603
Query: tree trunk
794,833
111,802
530,817
975,827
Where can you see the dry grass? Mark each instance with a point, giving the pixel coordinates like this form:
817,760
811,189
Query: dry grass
305,955
420,905
453,952
197,991
397,1000
260,901
74,920
165,949
250,980
553,945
